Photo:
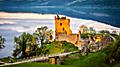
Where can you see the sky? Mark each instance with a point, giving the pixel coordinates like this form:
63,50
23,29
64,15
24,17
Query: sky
25,15
8,18
105,11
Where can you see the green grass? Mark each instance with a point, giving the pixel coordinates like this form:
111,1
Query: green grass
5,59
8,59
37,65
117,65
92,60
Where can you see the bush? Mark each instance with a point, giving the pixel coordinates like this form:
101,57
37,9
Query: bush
60,47
113,51
68,47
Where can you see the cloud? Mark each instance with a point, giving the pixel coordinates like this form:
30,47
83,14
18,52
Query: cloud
99,14
101,26
46,7
75,23
45,3
73,10
26,16
73,2
6,22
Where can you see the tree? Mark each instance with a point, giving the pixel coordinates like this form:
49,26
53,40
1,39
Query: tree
42,35
113,50
25,45
2,40
85,35
104,32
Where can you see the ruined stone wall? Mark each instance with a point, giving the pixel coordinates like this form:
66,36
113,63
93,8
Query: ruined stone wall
72,38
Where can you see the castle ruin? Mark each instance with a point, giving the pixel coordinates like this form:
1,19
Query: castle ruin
63,31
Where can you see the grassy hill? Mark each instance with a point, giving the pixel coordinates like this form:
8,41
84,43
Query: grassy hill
91,60
37,65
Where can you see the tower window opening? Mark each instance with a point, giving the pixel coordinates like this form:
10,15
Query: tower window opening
60,24
63,29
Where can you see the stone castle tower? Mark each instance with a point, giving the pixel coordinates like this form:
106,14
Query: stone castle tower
63,31
62,26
